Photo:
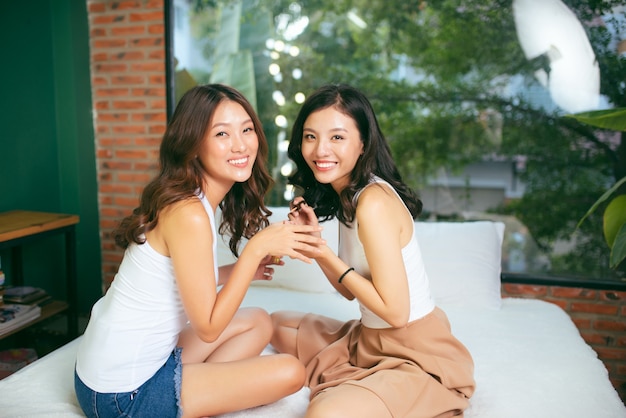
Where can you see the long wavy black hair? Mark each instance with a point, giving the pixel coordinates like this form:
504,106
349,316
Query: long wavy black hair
375,160
181,173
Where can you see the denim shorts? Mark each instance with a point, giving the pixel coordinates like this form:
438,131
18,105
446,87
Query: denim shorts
157,397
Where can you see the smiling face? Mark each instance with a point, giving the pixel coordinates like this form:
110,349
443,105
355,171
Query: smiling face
331,146
230,146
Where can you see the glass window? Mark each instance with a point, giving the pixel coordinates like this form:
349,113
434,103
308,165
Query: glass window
472,95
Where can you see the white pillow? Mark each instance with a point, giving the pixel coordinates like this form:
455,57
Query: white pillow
295,274
462,260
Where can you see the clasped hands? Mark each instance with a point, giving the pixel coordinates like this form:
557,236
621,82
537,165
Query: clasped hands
298,237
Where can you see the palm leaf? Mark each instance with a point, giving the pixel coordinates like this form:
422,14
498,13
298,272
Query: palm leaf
614,119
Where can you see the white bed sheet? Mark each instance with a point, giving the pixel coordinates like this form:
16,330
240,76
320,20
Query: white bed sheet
530,363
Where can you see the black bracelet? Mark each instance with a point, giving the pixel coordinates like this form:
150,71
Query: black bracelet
344,274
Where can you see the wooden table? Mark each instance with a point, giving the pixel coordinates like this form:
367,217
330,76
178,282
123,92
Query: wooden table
19,227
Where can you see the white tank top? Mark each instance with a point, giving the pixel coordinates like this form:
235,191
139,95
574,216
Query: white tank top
352,252
134,328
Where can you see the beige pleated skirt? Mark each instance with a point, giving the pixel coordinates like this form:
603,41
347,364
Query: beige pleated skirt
420,370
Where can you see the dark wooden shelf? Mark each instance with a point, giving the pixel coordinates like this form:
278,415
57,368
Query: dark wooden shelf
20,227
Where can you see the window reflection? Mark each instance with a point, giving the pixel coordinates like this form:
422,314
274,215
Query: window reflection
472,97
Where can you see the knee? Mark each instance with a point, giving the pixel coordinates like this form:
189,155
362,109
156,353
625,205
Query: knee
293,372
257,321
276,319
263,323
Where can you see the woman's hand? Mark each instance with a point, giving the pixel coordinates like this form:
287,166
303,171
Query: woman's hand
286,239
301,213
264,272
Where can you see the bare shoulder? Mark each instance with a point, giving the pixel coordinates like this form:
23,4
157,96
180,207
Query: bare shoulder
185,214
380,205
375,201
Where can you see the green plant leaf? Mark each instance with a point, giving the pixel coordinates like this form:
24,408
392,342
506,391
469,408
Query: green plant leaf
602,198
618,251
614,217
614,119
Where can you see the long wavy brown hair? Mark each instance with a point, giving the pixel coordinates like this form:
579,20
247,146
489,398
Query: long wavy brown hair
376,158
180,174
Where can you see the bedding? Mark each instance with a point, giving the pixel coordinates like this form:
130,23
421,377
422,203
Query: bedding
530,360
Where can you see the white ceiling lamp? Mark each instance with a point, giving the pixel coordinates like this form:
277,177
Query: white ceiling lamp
548,28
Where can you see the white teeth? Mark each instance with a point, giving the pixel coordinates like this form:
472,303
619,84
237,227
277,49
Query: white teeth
325,165
239,161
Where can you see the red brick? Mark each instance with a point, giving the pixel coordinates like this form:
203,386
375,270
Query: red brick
157,55
107,19
134,154
109,43
609,325
573,293
95,7
104,92
596,339
128,30
125,5
146,17
128,79
149,66
158,29
128,55
594,308
126,202
142,178
611,353
110,68
99,56
582,323
613,296
99,32
129,104
525,289
112,117
146,42
137,129
149,117
116,165
115,188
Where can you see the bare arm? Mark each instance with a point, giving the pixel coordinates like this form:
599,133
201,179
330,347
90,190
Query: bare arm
186,232
385,227
263,272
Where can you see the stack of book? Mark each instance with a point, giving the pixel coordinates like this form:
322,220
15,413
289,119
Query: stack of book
21,304
13,316
26,295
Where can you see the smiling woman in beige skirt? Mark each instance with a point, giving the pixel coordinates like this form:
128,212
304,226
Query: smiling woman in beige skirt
400,358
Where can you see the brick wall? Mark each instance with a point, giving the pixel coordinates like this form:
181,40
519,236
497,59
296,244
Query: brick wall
129,101
600,316
127,41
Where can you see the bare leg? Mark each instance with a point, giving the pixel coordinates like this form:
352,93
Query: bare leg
286,325
346,401
228,374
246,336
210,389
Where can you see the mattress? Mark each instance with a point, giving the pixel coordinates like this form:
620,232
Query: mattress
530,360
